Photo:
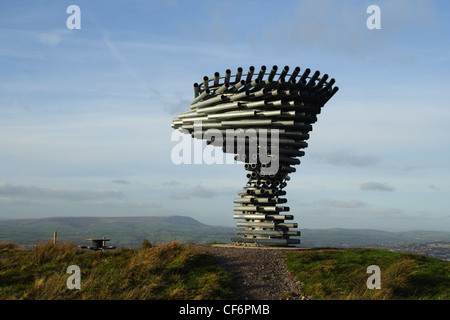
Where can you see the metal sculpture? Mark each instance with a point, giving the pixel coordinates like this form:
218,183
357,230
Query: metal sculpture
247,108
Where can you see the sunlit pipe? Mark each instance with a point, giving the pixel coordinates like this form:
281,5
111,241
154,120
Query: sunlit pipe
264,216
271,113
219,108
286,103
237,78
284,123
247,123
205,83
193,119
250,216
263,84
269,208
255,104
196,90
210,101
227,76
204,125
245,208
260,200
200,97
238,85
232,114
269,233
293,113
187,114
216,78
258,94
241,95
266,224
260,192
250,85
222,88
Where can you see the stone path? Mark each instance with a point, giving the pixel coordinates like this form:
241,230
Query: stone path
259,273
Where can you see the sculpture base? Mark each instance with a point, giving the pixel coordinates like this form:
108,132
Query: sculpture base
263,242
264,219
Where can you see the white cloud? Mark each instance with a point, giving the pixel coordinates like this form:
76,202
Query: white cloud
376,186
121,181
51,38
346,158
194,192
26,192
334,203
434,188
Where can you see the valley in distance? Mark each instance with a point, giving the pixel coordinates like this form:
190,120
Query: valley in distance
132,231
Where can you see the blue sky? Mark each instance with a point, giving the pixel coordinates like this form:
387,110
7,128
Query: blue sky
85,114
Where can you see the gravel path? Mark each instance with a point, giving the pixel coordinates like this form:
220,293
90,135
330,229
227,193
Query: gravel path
258,273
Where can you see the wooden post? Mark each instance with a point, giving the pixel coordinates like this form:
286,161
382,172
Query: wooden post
54,237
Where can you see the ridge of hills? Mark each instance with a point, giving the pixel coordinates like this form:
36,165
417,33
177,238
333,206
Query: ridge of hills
131,231
124,231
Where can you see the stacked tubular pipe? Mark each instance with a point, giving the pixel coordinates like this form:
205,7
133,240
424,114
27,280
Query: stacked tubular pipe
264,118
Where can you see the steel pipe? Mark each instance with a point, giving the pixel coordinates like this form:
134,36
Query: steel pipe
250,72
294,75
265,121
203,95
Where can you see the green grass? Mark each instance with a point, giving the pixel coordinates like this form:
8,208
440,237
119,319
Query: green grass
178,271
342,274
171,271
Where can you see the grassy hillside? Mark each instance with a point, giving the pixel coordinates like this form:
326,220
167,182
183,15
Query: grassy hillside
169,271
178,271
342,274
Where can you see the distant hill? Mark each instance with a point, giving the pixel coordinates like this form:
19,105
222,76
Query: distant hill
131,231
123,231
339,237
